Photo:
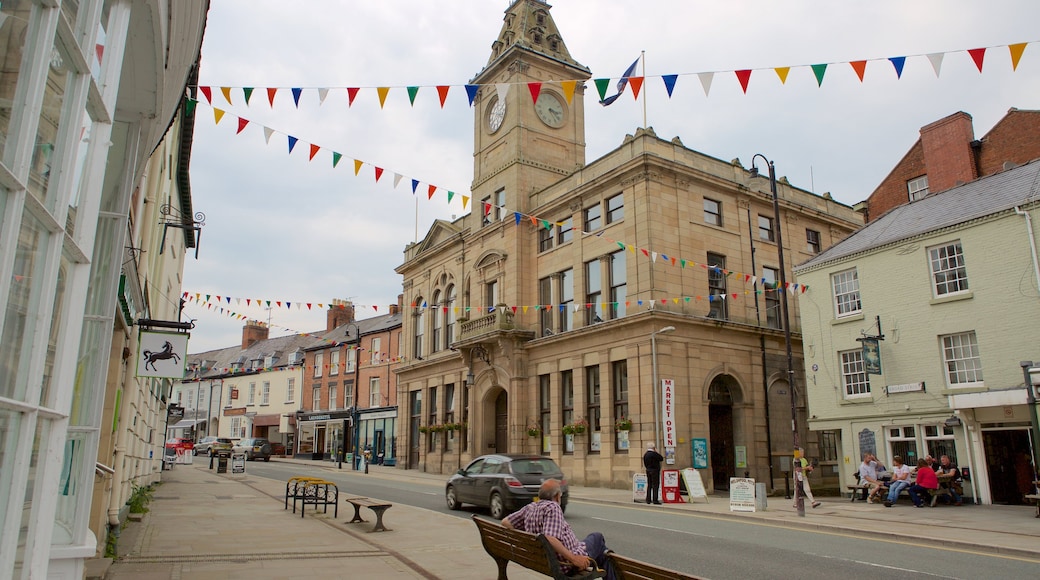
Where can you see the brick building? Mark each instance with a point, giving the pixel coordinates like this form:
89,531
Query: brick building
947,154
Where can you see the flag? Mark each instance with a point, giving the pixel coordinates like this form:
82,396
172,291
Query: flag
621,83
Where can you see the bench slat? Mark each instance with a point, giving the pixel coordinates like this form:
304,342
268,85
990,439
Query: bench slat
528,550
632,569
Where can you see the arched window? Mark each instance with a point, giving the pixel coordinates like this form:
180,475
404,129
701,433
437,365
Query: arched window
438,321
449,328
420,324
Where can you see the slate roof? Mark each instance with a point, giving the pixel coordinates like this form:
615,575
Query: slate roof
985,196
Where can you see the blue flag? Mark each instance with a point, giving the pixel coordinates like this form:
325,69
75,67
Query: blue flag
621,84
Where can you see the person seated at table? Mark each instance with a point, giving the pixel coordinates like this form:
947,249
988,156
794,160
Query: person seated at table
868,476
932,462
900,480
948,469
926,483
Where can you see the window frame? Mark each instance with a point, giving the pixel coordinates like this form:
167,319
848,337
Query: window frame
717,307
854,375
813,243
766,228
619,389
545,238
592,217
975,359
914,191
839,300
618,290
941,256
565,231
713,218
614,213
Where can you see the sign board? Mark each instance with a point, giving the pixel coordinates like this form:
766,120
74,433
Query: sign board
741,456
694,484
160,355
871,356
741,494
700,454
867,442
905,388
668,411
639,482
238,463
670,486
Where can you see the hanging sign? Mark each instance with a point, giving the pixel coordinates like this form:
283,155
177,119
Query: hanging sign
871,356
668,419
160,355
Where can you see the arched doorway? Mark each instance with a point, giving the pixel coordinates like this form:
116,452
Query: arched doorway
720,431
502,423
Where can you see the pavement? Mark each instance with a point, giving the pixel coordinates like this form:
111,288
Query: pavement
206,525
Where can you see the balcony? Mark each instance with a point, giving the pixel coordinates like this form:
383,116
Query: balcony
501,320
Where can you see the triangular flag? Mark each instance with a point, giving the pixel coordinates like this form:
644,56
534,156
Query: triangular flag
412,91
744,76
601,87
1016,53
818,70
248,92
296,96
322,93
270,95
226,91
669,83
429,194
379,173
351,93
465,200
207,92
705,79
568,89
415,185
781,71
535,89
189,106
335,159
898,62
382,91
451,194
637,83
357,166
267,134
397,179
218,114
936,60
314,151
241,124
860,66
292,142
502,90
517,216
442,92
977,54
487,208
471,93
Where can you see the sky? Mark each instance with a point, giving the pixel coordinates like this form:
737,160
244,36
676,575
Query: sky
284,228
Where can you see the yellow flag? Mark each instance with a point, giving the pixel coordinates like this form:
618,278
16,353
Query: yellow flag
1016,53
227,94
357,166
382,95
781,71
568,89
218,114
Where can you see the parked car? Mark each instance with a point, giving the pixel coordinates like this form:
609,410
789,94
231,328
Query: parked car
502,483
180,443
210,445
253,447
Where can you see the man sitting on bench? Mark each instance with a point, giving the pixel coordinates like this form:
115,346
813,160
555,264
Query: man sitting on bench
545,517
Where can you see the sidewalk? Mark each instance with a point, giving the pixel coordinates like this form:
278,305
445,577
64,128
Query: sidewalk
213,526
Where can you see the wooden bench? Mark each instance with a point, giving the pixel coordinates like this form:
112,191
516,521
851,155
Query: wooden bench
526,549
294,489
631,569
318,492
1035,498
377,507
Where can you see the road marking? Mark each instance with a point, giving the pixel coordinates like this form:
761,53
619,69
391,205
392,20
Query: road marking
876,565
687,532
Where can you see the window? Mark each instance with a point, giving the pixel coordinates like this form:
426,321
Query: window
846,292
438,321
499,204
319,361
316,398
712,212
545,300
491,293
567,400
853,376
566,314
290,390
231,395
237,428
433,417
618,285
592,407
565,231
593,218
449,411
332,396
829,445
615,208
420,321
812,241
961,357
333,363
377,350
902,441
351,364
252,394
593,293
545,408
545,238
375,396
491,207
938,440
949,275
765,229
772,297
716,286
348,394
449,327
265,393
917,187
619,385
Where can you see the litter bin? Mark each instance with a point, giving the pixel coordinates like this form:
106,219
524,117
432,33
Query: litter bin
222,460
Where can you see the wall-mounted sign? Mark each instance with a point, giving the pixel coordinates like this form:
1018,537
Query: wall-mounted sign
236,412
160,355
668,418
700,453
905,388
871,356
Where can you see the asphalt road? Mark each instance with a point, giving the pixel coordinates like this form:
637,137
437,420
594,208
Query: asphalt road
714,547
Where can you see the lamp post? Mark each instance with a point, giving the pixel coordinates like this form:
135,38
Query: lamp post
355,417
1028,370
657,386
799,498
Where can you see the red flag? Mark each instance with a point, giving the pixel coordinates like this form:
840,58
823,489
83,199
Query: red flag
270,95
860,66
209,95
379,173
314,150
241,124
637,83
977,54
442,91
433,188
351,93
744,76
487,208
535,89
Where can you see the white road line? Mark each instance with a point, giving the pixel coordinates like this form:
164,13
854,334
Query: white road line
687,532
876,565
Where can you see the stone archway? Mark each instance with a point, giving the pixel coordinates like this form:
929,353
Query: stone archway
722,393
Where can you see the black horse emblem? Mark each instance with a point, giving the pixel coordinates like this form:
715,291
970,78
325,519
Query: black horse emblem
165,354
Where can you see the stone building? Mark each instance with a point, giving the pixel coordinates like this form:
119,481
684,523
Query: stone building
570,286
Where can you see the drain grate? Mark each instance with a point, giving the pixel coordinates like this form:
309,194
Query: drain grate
242,558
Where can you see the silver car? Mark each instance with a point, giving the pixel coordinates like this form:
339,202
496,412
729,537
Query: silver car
210,445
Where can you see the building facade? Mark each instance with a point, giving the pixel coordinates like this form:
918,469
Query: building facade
947,287
78,122
350,400
538,322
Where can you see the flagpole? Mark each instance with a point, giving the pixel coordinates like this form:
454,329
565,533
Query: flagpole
642,56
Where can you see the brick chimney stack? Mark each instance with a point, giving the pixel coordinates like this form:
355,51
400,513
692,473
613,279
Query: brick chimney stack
340,312
948,153
395,308
253,332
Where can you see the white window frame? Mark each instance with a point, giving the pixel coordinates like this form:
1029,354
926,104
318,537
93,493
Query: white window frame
319,361
333,363
377,347
917,187
333,391
847,301
316,399
944,434
713,214
961,359
946,263
374,393
252,395
351,359
290,390
265,393
855,381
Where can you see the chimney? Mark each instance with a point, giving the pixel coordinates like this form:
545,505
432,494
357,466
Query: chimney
253,332
340,312
948,154
396,308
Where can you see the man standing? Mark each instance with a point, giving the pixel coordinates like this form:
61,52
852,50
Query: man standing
545,517
652,462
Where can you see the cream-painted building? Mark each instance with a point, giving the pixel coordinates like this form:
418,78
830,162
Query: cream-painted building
951,285
545,307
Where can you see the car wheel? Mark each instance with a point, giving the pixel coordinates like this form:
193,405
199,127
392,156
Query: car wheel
497,505
452,498
268,458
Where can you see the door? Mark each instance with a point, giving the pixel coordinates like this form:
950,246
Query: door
319,443
502,423
720,430
414,437
1008,464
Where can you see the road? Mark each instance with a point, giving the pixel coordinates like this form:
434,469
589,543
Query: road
715,547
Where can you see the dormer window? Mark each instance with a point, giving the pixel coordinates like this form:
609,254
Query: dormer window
537,38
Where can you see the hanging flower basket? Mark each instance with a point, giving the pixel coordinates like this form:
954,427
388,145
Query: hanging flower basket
533,431
623,424
568,429
424,429
580,426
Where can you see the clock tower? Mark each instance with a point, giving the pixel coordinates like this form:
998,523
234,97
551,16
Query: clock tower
522,145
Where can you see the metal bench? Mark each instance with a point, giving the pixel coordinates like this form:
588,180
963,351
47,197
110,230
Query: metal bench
526,549
377,507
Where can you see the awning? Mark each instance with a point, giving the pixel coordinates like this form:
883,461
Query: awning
187,423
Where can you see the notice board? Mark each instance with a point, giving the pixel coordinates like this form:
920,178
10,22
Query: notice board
694,484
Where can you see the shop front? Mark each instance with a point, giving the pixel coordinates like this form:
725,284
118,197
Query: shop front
321,434
377,434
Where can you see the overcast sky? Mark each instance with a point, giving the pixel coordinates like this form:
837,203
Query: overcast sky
280,227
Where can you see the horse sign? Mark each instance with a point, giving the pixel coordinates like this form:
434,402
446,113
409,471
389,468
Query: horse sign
161,354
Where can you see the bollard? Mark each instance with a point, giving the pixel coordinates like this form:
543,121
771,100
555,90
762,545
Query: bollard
211,460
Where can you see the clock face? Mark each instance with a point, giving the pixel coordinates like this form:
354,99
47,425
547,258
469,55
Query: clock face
550,110
496,114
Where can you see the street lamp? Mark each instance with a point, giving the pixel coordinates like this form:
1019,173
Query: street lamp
1028,370
354,411
657,386
799,498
